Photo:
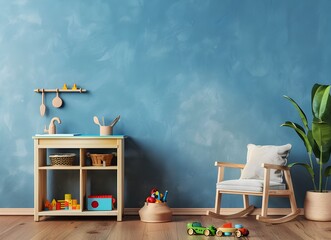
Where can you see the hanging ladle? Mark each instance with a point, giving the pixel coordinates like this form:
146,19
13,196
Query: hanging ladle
57,101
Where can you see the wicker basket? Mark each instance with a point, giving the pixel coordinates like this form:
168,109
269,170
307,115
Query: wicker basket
63,159
98,159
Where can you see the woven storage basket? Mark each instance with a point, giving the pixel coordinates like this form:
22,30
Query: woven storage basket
63,159
98,159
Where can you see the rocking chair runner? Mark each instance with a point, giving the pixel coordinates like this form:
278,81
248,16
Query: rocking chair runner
261,176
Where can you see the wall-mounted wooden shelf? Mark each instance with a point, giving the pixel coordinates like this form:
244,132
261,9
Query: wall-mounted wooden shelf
79,90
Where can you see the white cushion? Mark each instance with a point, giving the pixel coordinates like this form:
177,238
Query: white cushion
256,155
248,185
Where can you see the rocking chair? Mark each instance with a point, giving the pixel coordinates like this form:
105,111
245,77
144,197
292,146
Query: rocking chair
262,175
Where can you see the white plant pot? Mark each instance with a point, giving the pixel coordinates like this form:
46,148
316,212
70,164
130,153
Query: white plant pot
317,206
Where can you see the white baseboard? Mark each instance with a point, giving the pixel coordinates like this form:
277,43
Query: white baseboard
16,211
176,211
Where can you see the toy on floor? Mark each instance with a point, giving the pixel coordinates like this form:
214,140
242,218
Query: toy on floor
228,230
197,228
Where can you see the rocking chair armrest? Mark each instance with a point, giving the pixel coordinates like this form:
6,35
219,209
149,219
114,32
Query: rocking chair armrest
274,166
229,165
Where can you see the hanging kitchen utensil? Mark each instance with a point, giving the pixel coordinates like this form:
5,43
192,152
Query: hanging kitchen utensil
57,101
42,106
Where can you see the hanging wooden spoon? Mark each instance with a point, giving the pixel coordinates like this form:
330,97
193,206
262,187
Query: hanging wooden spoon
57,101
42,106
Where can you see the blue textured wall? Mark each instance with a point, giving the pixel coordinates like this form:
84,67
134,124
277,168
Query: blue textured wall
193,81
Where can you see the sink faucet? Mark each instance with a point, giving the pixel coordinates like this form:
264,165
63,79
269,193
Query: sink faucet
52,129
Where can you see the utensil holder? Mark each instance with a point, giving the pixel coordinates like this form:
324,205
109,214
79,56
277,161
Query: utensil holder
106,130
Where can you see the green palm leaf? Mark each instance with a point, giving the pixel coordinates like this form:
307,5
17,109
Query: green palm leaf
300,111
301,132
306,166
320,102
322,136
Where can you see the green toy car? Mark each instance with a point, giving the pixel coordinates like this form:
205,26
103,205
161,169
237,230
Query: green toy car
197,228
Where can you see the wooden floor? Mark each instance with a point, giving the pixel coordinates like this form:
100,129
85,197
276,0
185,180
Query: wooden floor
23,227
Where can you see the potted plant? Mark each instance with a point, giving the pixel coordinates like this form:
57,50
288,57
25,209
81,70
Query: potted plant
317,140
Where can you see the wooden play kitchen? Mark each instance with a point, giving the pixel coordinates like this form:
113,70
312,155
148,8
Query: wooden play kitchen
84,143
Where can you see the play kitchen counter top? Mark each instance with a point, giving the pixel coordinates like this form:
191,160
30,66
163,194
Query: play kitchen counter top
82,143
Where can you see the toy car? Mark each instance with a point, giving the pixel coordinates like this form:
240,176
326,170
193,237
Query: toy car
197,228
228,230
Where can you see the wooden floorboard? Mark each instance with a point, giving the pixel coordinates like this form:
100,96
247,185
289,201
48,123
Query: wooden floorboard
99,228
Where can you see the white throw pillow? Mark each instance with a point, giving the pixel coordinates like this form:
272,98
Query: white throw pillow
256,155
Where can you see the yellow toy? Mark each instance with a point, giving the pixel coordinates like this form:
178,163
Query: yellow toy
53,204
65,87
74,87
